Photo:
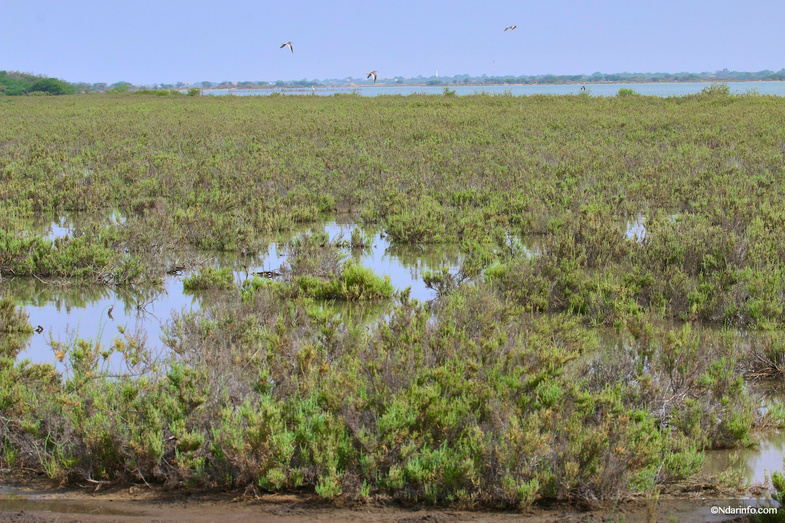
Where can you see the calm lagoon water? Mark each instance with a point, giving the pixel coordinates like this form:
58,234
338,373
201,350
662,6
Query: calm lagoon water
648,89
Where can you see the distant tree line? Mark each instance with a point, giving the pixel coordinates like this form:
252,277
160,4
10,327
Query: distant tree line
14,83
247,84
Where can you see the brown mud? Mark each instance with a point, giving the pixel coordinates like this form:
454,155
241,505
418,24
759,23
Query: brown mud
40,501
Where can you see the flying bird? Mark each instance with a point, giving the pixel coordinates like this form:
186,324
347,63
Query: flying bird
289,44
372,73
39,330
510,27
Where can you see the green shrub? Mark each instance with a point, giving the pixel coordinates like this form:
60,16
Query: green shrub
209,278
626,92
157,92
52,86
352,284
716,89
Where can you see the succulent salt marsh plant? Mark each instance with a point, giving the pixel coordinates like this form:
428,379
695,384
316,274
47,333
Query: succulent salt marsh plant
465,401
210,278
469,399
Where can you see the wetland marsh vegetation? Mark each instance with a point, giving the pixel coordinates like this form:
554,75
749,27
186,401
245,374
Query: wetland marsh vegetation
582,365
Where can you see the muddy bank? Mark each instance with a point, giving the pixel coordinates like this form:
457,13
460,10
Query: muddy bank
40,502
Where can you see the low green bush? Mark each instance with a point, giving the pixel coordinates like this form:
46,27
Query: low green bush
352,284
209,278
626,92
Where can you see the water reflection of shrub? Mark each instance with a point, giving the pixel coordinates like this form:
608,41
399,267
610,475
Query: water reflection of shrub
15,328
66,295
313,254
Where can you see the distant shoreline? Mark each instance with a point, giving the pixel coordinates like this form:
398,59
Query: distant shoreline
472,84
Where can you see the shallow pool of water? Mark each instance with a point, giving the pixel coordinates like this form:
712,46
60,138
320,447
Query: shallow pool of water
55,226
101,314
754,464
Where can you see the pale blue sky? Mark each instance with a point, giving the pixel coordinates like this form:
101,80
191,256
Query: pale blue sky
146,41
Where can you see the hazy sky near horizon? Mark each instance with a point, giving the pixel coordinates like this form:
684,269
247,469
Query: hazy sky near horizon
161,41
